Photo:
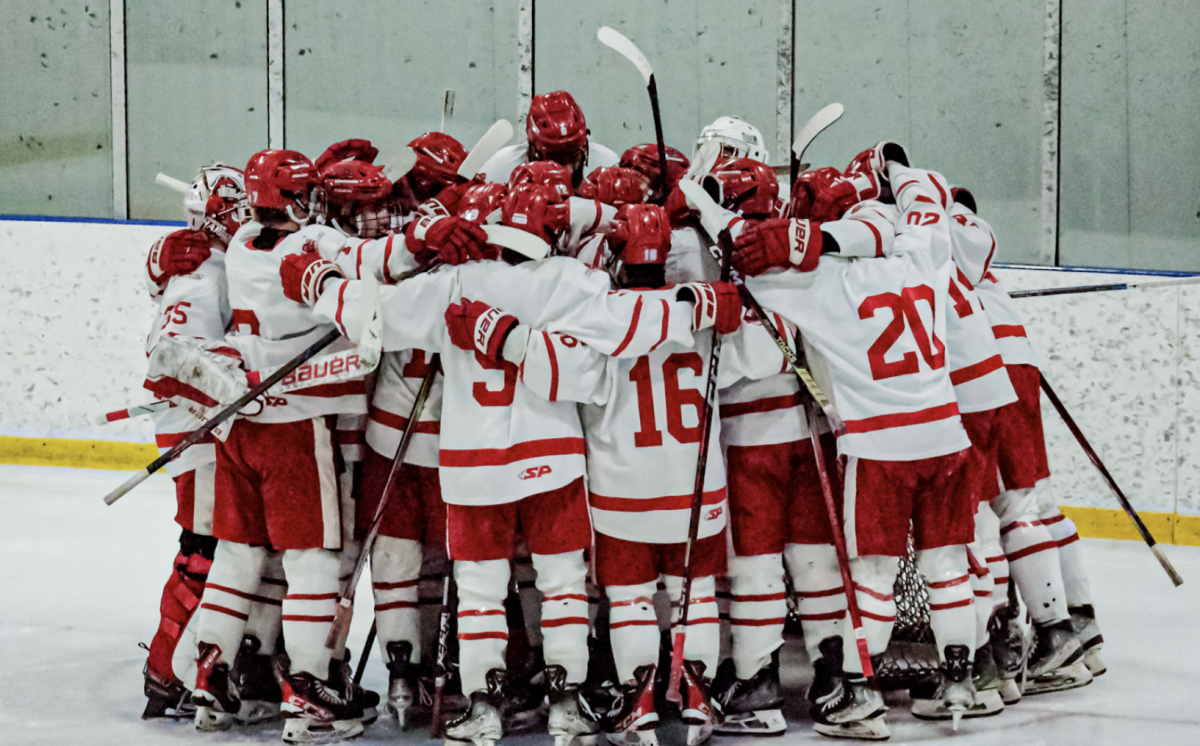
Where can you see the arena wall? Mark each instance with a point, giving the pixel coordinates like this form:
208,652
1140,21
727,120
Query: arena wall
1126,364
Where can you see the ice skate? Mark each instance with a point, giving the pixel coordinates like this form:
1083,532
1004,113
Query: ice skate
401,697
480,725
316,711
828,677
341,673
1056,646
1071,676
854,710
524,703
215,697
254,677
633,718
571,720
955,697
1083,621
753,706
167,699
697,709
1009,648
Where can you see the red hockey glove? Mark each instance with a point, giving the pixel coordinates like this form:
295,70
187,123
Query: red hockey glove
474,325
777,243
718,305
448,198
450,239
677,207
614,185
304,276
178,253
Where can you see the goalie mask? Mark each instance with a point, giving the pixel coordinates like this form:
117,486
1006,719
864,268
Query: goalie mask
282,181
354,197
556,130
735,138
548,173
216,202
745,186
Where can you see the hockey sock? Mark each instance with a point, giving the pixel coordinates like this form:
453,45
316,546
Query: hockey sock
232,585
395,576
821,599
1070,555
1032,556
309,607
981,587
482,627
948,580
987,534
757,611
724,602
633,627
703,639
433,569
562,580
874,583
266,610
525,577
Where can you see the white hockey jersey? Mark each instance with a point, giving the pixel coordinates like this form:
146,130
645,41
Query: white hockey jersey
641,487
396,386
268,329
499,442
194,305
874,329
500,166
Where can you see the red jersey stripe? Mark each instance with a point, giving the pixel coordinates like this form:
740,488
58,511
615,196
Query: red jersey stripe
396,422
768,404
902,419
518,452
637,314
553,366
978,370
644,504
1008,330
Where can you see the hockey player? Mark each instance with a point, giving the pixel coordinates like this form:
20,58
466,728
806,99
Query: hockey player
639,487
873,327
186,275
509,459
1032,529
438,158
644,158
555,130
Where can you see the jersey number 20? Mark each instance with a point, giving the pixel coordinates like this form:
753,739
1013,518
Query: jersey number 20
903,308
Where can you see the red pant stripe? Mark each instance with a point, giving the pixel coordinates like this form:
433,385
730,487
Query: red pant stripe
242,594
1019,524
756,622
483,635
634,623
704,620
223,610
395,586
307,618
1053,519
1069,540
311,597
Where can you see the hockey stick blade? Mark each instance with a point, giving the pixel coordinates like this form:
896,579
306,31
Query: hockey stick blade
620,43
172,183
400,164
815,126
495,138
522,242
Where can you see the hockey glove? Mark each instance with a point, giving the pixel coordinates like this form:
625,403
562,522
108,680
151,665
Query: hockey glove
794,243
200,376
304,276
178,253
446,201
354,149
717,305
451,240
615,186
474,325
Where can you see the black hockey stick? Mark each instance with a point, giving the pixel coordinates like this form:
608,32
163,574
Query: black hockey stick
345,603
706,416
1101,288
442,664
366,653
1112,483
201,432
618,42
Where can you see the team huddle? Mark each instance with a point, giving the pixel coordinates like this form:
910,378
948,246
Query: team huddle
638,405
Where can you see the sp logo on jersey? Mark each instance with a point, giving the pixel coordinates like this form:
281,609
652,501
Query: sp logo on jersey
714,514
534,472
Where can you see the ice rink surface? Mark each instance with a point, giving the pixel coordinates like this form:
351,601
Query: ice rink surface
80,585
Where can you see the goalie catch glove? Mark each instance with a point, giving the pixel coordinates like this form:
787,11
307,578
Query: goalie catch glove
717,305
474,325
200,376
791,243
178,253
304,275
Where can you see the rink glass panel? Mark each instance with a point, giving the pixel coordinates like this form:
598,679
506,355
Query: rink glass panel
958,84
1130,151
709,60
56,131
197,93
377,69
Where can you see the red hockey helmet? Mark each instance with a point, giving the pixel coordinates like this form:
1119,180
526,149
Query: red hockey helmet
356,149
481,200
744,185
536,208
550,173
356,193
641,235
439,157
556,130
615,185
280,180
644,158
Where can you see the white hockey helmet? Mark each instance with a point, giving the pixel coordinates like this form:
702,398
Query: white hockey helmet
225,214
736,137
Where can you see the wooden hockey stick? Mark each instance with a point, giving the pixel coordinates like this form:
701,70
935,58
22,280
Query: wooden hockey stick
620,43
442,665
1147,285
1112,483
345,603
706,416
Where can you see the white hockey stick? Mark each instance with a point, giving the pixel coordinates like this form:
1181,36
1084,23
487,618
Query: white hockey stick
172,183
495,138
813,127
522,242
400,164
621,44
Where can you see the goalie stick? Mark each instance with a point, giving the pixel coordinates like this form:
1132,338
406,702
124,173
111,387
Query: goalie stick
345,603
372,334
710,214
1112,483
817,124
621,44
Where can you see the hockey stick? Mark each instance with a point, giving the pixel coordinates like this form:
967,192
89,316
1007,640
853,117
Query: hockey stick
495,138
371,334
706,416
621,44
442,665
447,108
136,410
813,127
172,183
1112,483
366,653
1100,288
345,603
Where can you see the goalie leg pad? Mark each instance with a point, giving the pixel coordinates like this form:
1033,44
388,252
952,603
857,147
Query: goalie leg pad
1032,555
309,607
562,580
482,626
225,606
874,583
948,580
757,611
820,597
395,577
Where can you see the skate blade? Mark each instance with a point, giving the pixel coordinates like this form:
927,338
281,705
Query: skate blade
1063,656
756,723
698,733
634,737
370,715
305,730
1068,677
1010,692
211,720
870,729
987,703
1091,658
257,712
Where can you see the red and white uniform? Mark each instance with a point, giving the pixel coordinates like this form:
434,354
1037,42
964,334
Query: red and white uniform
500,166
